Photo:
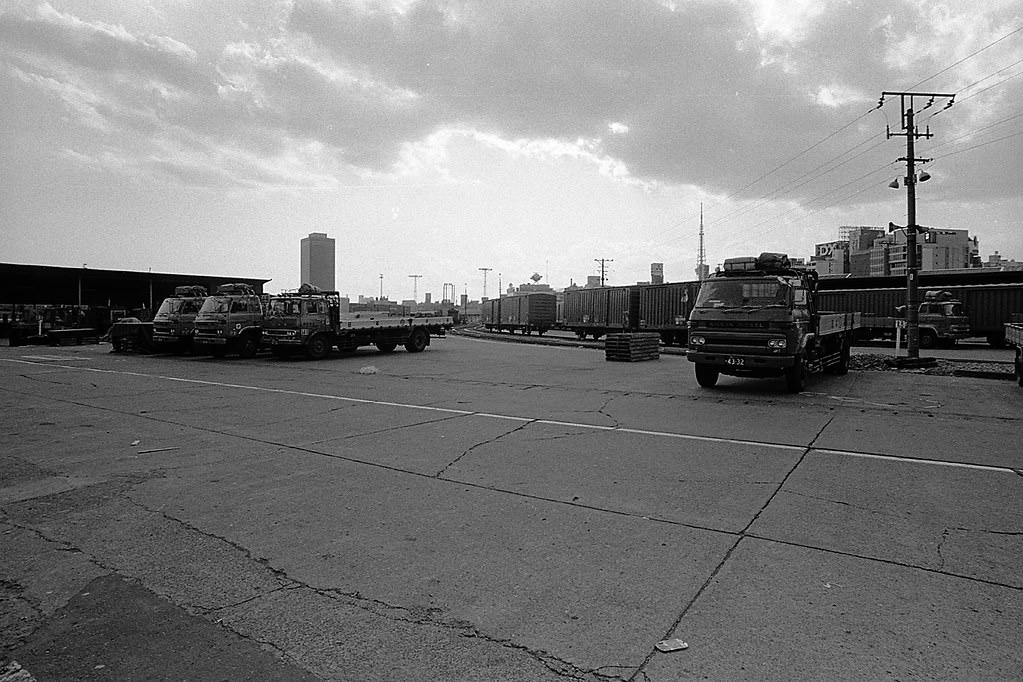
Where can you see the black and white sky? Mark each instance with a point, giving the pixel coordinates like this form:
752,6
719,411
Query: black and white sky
438,137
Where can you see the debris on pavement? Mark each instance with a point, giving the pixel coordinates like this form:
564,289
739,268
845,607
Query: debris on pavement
369,369
669,645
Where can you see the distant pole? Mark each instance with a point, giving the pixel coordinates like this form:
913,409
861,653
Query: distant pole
910,132
415,288
603,268
485,271
701,258
381,287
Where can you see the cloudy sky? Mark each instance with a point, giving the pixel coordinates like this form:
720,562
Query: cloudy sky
438,137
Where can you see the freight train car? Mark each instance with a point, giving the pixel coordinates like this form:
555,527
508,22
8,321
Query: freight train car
665,308
533,312
989,298
599,311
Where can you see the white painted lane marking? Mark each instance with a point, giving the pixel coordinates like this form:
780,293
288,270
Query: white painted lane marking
527,420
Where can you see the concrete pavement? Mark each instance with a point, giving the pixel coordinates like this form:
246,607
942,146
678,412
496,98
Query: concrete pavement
492,511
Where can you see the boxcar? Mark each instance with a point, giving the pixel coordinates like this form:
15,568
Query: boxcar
599,311
665,308
528,313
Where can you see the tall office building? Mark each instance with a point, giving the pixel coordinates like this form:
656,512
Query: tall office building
318,261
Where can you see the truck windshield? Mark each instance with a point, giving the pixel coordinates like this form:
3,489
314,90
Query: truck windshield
169,306
744,293
284,306
216,304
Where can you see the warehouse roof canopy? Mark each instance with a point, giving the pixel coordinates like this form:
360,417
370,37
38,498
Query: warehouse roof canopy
52,285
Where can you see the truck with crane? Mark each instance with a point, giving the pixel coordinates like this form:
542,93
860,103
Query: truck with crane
309,321
761,317
942,319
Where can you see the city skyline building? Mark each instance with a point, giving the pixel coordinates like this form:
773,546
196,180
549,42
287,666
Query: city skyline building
318,261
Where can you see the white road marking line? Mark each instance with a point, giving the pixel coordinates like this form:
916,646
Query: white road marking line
526,420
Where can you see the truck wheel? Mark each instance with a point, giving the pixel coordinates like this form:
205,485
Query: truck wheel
418,341
317,348
795,376
248,346
928,339
386,346
218,351
706,376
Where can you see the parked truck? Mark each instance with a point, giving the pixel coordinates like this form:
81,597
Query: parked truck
760,317
174,322
1014,337
310,321
231,321
942,318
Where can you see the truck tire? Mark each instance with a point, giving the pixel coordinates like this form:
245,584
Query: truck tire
996,340
317,347
386,346
928,339
417,341
706,375
248,345
218,351
795,376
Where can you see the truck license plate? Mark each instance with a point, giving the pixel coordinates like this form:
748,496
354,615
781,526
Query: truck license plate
735,361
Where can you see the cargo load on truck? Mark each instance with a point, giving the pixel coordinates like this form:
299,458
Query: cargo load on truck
760,317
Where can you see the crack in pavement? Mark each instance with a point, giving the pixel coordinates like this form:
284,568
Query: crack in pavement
431,617
490,441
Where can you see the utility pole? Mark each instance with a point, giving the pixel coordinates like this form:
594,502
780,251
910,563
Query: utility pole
415,288
603,268
701,258
911,133
381,287
485,271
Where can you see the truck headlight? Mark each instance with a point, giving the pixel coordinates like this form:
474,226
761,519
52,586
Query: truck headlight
777,343
697,340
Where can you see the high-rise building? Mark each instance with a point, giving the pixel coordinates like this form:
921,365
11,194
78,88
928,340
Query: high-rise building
318,261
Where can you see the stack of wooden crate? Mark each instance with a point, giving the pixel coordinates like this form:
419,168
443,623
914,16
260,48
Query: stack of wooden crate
634,347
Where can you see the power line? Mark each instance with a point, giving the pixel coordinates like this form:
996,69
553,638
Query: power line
967,57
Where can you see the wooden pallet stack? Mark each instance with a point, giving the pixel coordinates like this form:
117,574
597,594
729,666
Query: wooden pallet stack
634,347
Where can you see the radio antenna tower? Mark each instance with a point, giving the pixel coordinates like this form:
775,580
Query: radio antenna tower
701,259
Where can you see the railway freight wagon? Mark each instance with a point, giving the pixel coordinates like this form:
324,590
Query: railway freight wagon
534,312
665,308
989,307
601,310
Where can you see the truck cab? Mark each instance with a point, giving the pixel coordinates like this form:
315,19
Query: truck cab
231,321
174,322
758,317
942,320
305,320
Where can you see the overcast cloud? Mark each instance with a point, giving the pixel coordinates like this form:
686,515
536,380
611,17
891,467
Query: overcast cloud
683,102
